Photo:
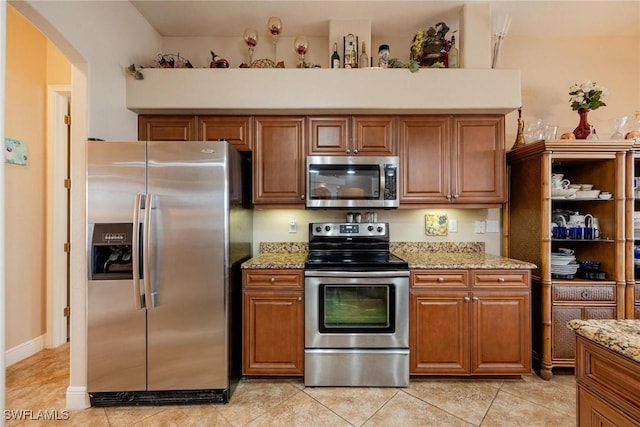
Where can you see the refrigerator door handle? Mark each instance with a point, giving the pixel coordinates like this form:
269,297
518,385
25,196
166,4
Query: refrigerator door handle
146,244
135,253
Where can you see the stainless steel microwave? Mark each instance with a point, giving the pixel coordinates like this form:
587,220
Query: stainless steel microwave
352,182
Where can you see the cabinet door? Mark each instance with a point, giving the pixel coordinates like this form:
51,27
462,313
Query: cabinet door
594,411
501,332
236,130
564,339
279,161
273,333
424,159
479,162
439,333
329,135
374,135
167,128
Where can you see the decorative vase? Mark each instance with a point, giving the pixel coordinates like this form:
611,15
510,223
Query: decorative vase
584,128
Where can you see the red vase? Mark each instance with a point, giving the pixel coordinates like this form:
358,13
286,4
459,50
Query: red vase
584,128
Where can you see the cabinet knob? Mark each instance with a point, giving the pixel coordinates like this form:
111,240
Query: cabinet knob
467,299
348,151
299,298
500,279
475,298
272,280
448,196
440,279
584,294
355,151
455,196
302,197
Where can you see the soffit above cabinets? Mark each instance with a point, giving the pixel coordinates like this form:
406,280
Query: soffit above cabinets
300,91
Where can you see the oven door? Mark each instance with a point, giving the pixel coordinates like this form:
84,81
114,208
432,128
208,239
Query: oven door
356,309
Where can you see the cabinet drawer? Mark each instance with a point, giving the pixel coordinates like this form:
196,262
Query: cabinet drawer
273,279
602,293
637,294
500,278
442,278
614,376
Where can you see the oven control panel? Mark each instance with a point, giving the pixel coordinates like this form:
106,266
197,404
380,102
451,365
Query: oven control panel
349,229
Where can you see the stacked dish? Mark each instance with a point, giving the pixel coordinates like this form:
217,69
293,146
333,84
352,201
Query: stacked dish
563,266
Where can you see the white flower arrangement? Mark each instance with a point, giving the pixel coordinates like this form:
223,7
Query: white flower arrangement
587,96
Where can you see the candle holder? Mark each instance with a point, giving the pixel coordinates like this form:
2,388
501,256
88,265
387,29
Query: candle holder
250,37
274,24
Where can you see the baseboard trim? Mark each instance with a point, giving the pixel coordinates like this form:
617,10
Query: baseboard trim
77,397
24,350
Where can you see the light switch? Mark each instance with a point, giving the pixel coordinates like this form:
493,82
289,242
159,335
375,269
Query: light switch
293,228
453,225
480,227
493,226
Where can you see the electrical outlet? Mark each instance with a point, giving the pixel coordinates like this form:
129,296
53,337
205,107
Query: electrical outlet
293,227
493,226
453,225
481,227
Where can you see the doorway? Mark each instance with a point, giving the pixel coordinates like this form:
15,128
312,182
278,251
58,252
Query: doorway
58,213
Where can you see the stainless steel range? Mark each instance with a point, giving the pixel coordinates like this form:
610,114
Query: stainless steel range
356,308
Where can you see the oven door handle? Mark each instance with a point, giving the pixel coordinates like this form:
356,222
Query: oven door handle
364,274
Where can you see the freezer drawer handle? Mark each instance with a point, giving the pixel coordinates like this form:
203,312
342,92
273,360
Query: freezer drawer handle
135,251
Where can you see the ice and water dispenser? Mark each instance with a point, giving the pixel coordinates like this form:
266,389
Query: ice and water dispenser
111,252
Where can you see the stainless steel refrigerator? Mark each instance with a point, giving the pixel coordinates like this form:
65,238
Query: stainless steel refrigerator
168,225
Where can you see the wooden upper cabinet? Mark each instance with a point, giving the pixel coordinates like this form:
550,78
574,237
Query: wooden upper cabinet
167,128
329,135
424,159
235,129
479,161
352,135
452,159
279,161
374,135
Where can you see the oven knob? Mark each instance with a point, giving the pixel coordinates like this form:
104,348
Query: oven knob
380,229
327,228
370,228
318,229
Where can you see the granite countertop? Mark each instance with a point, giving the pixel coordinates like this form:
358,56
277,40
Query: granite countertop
458,260
419,255
279,255
621,336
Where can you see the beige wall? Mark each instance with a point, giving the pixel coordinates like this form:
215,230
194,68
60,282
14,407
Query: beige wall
549,66
27,73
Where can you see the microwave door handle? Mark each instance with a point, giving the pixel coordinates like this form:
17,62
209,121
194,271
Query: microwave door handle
135,253
383,181
146,239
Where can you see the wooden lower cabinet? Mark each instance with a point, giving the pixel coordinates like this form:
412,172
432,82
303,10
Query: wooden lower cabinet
470,322
607,386
273,322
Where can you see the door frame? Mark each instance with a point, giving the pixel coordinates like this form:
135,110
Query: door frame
57,274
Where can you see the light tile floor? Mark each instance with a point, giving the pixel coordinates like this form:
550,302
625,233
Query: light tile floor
39,384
